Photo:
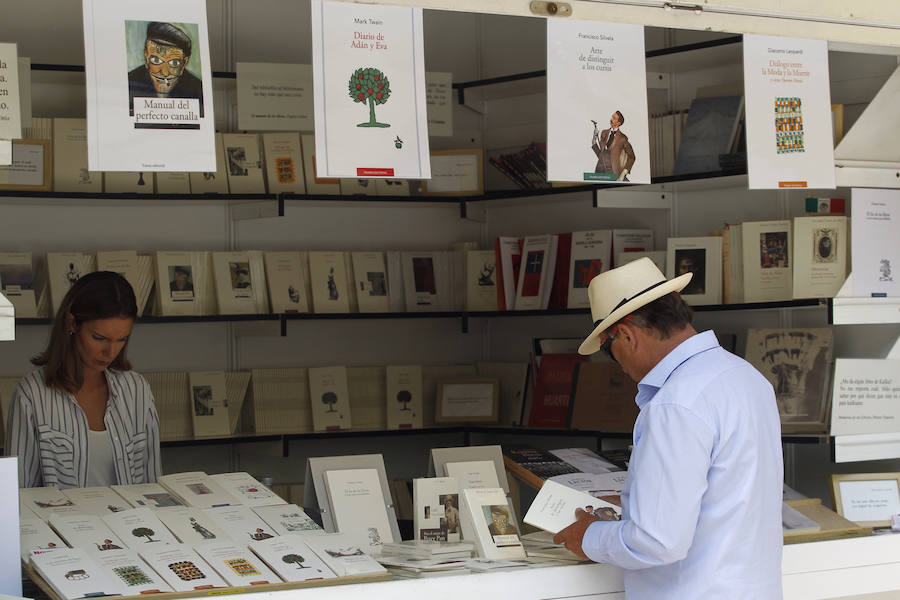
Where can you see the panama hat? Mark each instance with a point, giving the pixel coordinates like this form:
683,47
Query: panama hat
621,291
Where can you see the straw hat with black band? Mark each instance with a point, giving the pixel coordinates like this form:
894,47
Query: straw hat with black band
619,292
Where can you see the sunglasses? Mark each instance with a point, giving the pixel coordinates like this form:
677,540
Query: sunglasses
606,346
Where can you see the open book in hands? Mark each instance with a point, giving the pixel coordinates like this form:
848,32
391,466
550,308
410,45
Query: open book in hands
554,507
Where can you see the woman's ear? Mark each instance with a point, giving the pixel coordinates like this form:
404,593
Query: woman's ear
70,324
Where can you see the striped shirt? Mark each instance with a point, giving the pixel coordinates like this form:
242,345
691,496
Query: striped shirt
48,431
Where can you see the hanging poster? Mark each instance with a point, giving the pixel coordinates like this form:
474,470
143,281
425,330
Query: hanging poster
10,116
597,127
274,97
149,86
369,88
790,141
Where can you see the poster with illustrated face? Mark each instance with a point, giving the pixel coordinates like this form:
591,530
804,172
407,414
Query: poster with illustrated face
369,91
597,128
149,86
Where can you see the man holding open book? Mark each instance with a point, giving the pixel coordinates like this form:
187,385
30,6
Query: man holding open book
701,507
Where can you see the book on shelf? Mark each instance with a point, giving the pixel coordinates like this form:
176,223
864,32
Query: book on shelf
328,276
70,158
559,289
236,564
244,164
732,264
129,569
533,466
17,282
509,258
657,256
602,398
820,255
590,255
209,404
172,182
553,509
392,187
481,280
35,534
357,504
426,280
536,277
473,474
85,531
128,182
287,519
63,270
436,509
150,495
240,283
631,240
367,387
396,290
711,127
357,187
284,162
701,256
329,398
197,489
139,526
876,245
212,182
370,281
344,554
247,489
182,568
98,501
280,401
46,502
767,261
287,281
180,286
314,183
237,383
488,521
191,525
72,574
291,558
172,394
797,364
404,396
553,389
240,523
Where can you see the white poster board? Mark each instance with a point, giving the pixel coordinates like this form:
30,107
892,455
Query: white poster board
596,85
439,103
865,397
870,500
149,86
274,97
369,86
790,143
875,245
10,560
10,113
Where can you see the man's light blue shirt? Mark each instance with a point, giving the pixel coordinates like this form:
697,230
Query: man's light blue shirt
701,514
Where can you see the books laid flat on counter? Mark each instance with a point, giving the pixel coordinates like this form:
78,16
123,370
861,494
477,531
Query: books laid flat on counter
436,509
86,531
72,574
46,502
553,509
247,489
487,520
139,526
240,523
594,484
343,554
191,525
35,534
357,503
98,501
151,495
428,550
236,564
533,466
182,567
197,489
291,558
126,567
287,519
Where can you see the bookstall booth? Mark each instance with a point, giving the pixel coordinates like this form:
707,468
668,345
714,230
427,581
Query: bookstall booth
353,338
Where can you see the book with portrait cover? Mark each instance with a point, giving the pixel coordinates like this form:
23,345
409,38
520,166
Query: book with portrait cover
820,256
284,162
436,509
179,282
240,283
701,256
768,261
243,163
487,520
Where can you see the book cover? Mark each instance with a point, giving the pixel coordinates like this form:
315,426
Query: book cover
344,554
73,574
701,256
330,398
436,509
190,526
85,531
559,291
243,163
287,519
631,240
425,279
240,523
820,256
554,507
291,558
46,502
126,567
768,264
178,277
236,564
247,489
404,396
128,182
314,183
481,280
513,379
473,474
172,182
287,285
70,158
732,264
876,245
236,278
590,256
370,280
538,264
357,504
182,568
35,534
17,281
98,501
63,270
197,489
487,515
603,398
553,388
139,526
209,404
284,162
509,257
212,182
328,275
151,495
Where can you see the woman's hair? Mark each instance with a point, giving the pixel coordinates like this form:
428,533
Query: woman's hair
99,295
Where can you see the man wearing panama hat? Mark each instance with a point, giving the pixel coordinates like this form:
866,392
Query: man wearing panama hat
701,514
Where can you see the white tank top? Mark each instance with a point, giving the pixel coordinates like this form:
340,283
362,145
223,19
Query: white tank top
101,465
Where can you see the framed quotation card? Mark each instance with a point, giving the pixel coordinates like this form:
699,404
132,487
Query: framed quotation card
455,172
31,166
467,400
869,499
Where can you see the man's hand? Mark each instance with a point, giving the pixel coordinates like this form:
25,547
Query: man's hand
572,535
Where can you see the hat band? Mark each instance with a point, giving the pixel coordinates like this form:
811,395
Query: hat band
626,300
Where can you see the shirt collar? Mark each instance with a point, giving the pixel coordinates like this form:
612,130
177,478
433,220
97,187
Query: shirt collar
658,375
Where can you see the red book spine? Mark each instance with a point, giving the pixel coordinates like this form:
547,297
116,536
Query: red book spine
559,293
550,406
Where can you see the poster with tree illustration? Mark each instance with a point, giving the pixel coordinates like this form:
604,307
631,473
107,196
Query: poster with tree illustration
369,91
